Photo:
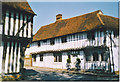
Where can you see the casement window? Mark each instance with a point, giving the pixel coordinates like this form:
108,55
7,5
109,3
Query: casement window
91,36
41,57
103,57
44,41
38,44
34,58
57,57
52,41
64,39
95,57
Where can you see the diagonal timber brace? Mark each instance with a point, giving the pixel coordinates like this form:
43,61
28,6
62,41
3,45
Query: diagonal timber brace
23,26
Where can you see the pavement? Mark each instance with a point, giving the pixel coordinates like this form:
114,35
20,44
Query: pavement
52,74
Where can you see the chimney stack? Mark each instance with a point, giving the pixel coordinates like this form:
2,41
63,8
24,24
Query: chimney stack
58,17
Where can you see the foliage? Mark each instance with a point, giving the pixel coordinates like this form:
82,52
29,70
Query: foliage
78,60
68,60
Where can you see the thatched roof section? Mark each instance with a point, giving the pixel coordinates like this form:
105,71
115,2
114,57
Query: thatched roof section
19,5
76,24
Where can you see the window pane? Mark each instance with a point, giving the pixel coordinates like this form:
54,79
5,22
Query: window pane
34,58
64,39
41,57
60,58
55,58
38,44
88,58
95,57
52,42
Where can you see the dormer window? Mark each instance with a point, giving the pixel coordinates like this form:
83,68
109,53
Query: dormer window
64,39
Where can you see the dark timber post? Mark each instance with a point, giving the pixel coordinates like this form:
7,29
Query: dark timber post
112,52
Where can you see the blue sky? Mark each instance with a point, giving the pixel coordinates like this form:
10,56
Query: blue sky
47,11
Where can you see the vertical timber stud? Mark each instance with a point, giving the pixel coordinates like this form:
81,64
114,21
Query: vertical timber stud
18,62
23,24
9,23
32,27
1,43
3,22
13,55
4,57
17,56
14,64
14,23
9,58
27,28
112,53
18,23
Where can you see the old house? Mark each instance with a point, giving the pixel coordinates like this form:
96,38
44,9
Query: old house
93,37
16,32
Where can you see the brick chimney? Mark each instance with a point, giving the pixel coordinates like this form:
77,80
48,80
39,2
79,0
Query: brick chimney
58,17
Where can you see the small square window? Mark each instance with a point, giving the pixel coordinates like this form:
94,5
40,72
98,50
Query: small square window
52,42
88,57
95,57
38,44
57,57
44,41
41,57
34,58
64,39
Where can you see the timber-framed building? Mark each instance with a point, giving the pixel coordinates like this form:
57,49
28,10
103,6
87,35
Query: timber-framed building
16,32
92,37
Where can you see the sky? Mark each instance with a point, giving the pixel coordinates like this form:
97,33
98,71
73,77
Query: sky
47,11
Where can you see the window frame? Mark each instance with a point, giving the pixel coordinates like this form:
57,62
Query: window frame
52,41
34,58
57,58
64,39
41,57
38,43
95,57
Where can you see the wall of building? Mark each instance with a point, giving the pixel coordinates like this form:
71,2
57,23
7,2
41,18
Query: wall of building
48,60
14,20
75,41
11,57
12,46
79,41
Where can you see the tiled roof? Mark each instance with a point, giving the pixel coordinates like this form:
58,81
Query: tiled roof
76,24
19,5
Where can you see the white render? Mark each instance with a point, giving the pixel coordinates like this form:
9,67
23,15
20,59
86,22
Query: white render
74,42
1,49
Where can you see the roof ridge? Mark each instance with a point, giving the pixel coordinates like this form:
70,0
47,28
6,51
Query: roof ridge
83,14
71,18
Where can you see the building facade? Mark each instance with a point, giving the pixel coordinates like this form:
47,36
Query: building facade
92,37
16,33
